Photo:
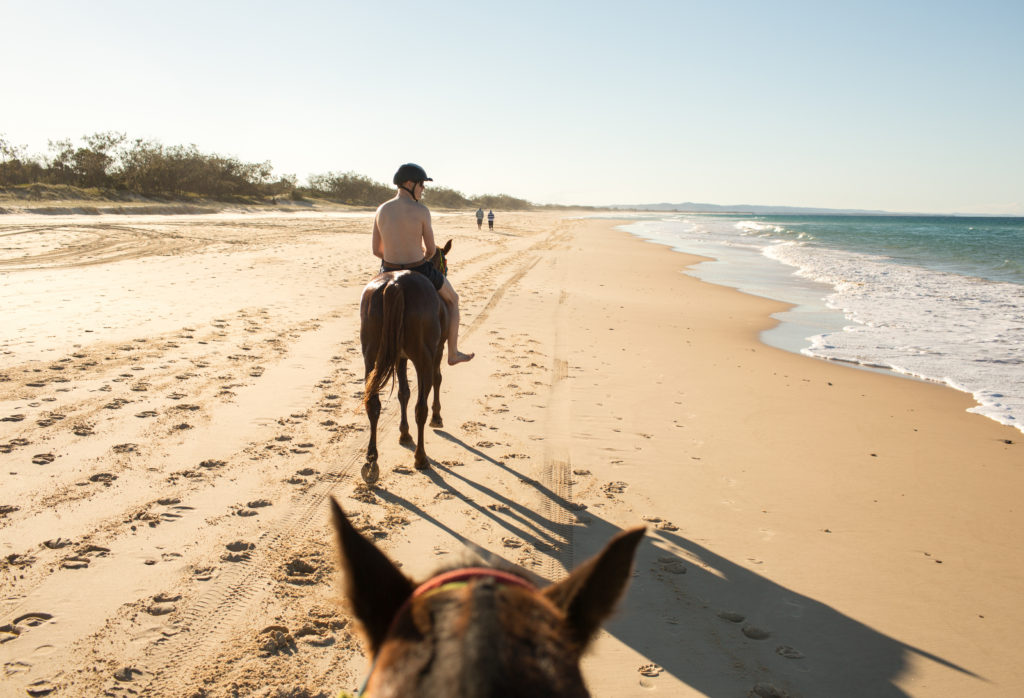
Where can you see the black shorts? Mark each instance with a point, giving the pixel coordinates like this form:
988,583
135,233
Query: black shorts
427,269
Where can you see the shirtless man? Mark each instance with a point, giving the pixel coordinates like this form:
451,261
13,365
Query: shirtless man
404,239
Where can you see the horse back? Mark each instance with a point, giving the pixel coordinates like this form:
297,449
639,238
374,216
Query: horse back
425,315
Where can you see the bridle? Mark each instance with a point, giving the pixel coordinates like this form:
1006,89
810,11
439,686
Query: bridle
442,263
455,579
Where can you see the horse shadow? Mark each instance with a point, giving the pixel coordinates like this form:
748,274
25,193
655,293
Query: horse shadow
715,625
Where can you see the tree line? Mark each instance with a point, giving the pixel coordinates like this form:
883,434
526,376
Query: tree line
111,161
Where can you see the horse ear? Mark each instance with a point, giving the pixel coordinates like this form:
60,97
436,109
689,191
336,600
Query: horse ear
447,247
588,595
374,586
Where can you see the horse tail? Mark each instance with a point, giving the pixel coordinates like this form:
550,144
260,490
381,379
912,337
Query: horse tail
390,345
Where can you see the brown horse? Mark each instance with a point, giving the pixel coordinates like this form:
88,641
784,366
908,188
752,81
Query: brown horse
478,632
403,318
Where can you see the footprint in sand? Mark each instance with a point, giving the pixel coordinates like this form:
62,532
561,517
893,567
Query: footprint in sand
6,509
259,503
212,464
13,418
300,572
277,639
767,690
756,633
613,488
105,478
239,551
40,688
732,617
21,624
651,670
50,419
788,652
17,667
146,414
83,430
126,674
43,458
203,574
672,565
57,543
125,448
81,559
161,609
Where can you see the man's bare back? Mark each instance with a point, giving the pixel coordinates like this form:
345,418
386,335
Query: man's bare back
402,233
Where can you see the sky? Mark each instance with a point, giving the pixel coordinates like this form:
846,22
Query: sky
900,105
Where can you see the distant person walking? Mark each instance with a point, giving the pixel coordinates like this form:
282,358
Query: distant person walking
490,220
479,218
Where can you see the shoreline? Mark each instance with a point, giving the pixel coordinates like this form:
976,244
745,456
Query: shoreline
811,322
816,528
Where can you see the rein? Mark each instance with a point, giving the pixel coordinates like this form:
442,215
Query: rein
442,263
455,579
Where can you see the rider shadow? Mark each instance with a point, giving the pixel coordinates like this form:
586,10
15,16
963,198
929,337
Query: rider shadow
485,555
713,624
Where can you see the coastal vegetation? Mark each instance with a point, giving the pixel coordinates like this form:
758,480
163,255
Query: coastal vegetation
110,165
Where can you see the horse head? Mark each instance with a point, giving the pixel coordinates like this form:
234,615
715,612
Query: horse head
439,259
478,632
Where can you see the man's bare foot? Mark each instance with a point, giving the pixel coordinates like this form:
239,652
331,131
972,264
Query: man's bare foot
459,358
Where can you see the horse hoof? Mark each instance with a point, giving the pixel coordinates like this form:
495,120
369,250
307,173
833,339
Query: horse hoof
406,440
370,473
437,422
422,465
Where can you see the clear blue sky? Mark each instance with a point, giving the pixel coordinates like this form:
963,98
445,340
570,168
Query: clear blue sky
900,105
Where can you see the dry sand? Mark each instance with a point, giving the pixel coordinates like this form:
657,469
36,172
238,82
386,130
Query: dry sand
180,395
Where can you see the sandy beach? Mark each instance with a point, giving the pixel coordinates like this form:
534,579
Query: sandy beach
180,396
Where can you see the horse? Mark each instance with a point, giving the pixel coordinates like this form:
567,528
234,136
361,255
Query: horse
478,632
403,318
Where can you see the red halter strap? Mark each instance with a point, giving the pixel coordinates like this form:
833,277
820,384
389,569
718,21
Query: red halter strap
464,575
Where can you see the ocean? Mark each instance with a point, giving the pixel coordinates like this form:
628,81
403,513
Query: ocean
936,298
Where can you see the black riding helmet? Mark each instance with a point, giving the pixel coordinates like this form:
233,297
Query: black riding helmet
410,172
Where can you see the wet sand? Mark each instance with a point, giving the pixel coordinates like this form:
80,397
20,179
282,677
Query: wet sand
180,395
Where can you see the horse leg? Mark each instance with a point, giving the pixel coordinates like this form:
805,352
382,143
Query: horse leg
371,471
435,419
423,384
405,438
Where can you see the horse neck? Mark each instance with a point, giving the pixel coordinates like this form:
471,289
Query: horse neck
486,641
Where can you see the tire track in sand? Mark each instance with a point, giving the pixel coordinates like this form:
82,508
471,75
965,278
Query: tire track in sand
556,472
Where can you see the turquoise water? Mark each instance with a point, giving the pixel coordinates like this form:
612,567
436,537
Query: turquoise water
937,298
989,248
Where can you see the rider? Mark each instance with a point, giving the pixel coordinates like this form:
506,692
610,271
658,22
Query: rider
404,239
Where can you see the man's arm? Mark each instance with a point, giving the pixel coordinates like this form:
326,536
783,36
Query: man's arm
377,252
428,236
